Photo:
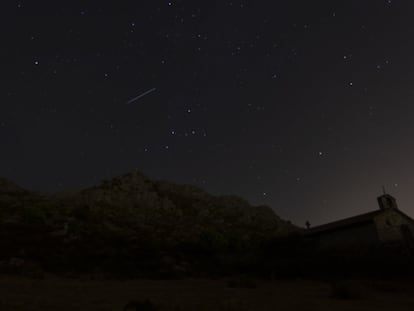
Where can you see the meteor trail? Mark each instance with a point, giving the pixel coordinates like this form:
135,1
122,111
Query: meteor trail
142,95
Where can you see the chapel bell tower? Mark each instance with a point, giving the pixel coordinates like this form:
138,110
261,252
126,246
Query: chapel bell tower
386,201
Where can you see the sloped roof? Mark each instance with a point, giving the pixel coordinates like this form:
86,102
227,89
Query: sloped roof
344,223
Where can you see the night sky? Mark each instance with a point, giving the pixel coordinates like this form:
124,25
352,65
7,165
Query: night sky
305,106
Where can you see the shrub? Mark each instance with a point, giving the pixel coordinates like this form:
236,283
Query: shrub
241,282
233,305
145,305
345,290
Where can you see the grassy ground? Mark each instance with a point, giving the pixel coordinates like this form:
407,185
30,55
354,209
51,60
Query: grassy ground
223,295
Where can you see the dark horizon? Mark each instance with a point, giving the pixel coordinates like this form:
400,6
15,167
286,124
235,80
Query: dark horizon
369,208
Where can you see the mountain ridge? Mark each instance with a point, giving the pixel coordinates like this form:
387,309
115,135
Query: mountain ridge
131,222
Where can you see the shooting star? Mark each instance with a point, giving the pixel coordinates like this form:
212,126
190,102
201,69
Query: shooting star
142,95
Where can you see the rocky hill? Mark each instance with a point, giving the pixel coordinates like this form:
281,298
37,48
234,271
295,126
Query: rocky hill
132,223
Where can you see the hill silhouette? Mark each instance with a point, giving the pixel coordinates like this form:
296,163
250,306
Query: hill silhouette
133,225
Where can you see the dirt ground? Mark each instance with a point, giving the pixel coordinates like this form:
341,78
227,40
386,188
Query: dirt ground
73,294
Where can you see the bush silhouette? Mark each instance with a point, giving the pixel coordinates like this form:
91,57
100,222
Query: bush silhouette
345,290
145,305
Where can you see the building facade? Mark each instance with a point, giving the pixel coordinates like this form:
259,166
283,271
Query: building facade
387,226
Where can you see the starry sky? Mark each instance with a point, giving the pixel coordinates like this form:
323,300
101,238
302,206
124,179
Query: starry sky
305,106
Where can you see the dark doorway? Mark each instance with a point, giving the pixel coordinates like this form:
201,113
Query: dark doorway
407,235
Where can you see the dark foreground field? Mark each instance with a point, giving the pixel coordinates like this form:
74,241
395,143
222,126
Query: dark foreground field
228,295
